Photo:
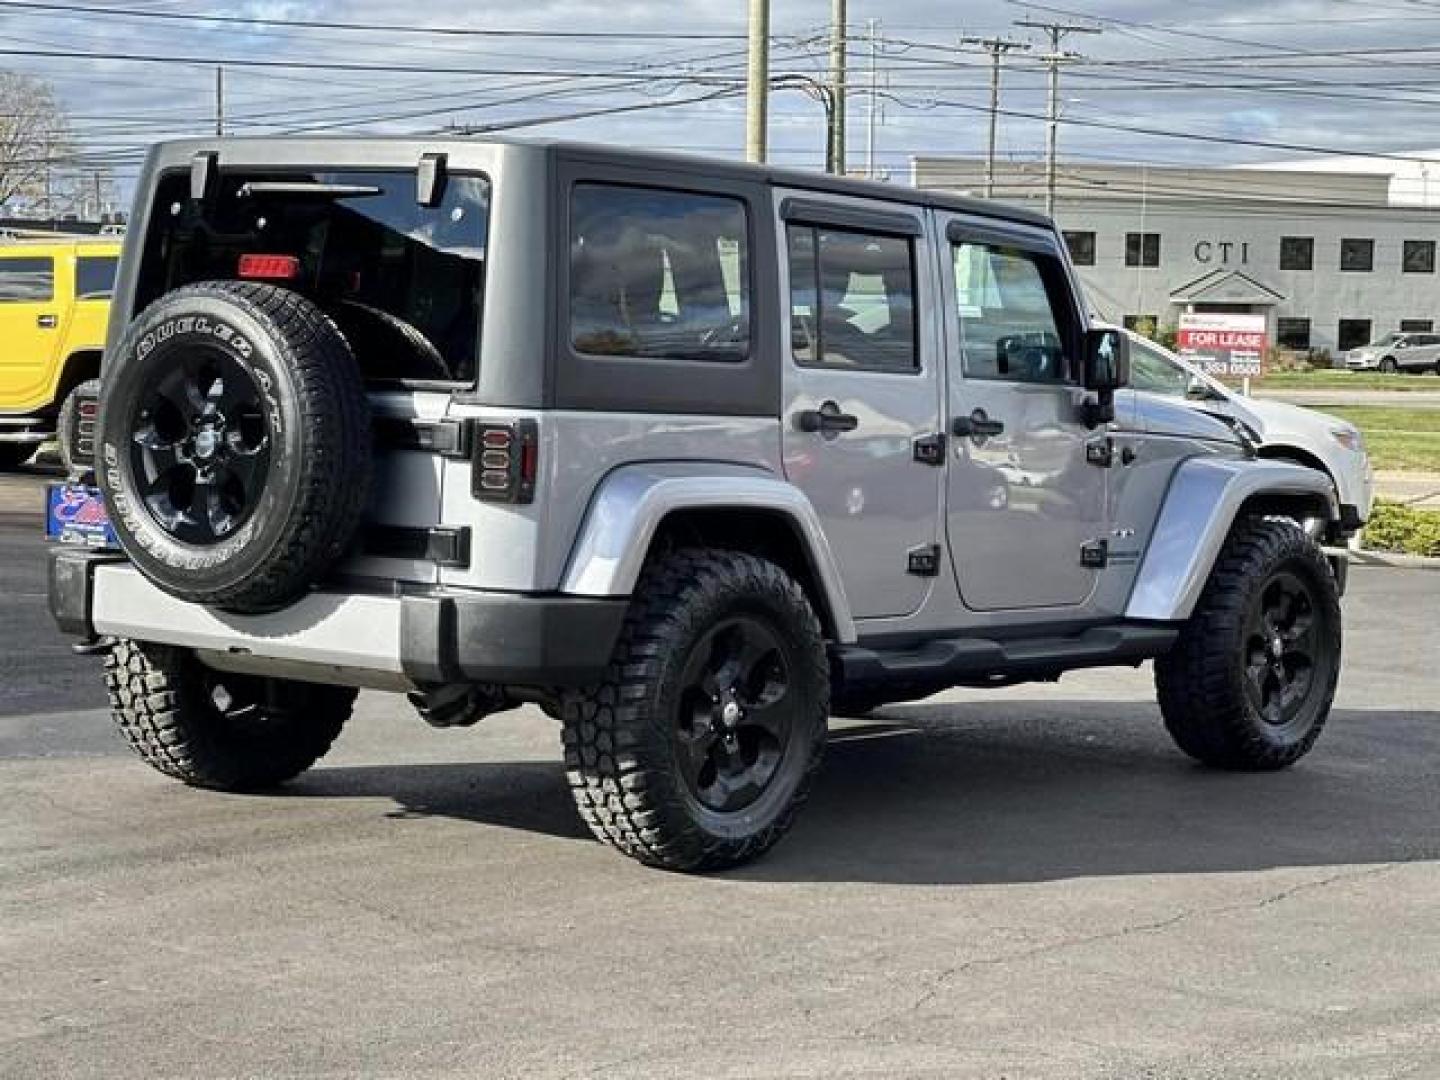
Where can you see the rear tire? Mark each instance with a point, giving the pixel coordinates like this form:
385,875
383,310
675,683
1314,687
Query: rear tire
699,746
216,729
1249,683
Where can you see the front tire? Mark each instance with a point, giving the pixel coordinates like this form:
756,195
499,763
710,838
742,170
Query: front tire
699,746
1249,683
216,729
1388,366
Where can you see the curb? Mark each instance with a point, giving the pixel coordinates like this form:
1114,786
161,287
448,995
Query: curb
1393,560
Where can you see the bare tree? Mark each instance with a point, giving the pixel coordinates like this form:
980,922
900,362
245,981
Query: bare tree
34,141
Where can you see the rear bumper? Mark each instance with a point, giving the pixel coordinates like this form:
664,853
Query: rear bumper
368,639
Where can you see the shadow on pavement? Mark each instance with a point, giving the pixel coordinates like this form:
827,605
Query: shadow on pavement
1022,791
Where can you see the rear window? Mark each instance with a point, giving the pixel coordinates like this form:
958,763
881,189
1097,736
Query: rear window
95,277
402,280
26,280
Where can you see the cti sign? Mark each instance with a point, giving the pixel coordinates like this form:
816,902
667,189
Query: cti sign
1209,251
1223,343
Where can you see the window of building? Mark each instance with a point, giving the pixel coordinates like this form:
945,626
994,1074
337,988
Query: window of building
1354,333
1357,255
852,300
1009,327
659,274
1416,326
1142,249
1419,257
1297,253
95,277
1082,247
29,280
1292,333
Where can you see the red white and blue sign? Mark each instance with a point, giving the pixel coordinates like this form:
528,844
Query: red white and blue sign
76,514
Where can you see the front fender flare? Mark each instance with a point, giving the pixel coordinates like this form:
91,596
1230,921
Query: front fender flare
631,502
1205,496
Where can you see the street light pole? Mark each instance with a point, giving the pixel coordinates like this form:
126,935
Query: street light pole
837,85
757,81
1057,32
997,48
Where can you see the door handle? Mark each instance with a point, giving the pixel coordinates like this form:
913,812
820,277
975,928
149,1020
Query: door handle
826,419
46,322
977,423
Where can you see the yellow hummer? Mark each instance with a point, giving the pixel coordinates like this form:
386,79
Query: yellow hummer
54,303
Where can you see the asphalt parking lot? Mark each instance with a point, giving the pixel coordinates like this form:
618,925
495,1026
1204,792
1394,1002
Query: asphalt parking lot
1027,883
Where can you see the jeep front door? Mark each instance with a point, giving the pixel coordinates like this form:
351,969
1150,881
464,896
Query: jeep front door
861,387
1025,509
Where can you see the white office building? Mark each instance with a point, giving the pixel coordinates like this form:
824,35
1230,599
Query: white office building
1333,255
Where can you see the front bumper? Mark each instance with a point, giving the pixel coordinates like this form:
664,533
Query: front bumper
387,640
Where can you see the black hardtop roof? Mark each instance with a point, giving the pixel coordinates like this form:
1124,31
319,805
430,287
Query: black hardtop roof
613,154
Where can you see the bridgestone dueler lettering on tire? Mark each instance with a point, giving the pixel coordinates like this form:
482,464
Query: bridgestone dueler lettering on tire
700,745
216,729
234,444
1249,683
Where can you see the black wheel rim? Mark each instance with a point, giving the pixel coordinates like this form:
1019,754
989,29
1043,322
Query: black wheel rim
1284,649
200,448
734,714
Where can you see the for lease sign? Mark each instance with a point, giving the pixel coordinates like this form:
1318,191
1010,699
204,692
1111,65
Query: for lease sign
1221,343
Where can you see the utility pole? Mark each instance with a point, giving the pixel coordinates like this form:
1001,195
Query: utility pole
219,102
997,48
757,81
1053,60
837,85
874,104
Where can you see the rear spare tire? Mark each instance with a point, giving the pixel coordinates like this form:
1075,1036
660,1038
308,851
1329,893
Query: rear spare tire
234,444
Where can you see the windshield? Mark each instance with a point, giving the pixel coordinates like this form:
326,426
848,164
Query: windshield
402,281
1388,339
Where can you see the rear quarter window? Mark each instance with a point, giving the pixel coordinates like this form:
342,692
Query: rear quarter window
657,274
95,276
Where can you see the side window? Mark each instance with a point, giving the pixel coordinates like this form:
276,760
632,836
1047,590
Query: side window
1154,371
658,274
95,277
852,300
1008,324
26,280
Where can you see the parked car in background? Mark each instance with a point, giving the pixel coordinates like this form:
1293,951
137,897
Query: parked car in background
54,304
1397,352
1285,432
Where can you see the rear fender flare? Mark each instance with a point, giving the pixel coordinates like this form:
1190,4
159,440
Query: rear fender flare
1205,497
632,502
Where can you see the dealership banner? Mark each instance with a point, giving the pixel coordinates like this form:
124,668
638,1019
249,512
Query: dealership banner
1223,344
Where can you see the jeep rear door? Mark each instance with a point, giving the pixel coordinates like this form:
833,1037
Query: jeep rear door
861,388
1024,506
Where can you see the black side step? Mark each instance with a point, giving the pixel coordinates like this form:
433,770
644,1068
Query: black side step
946,662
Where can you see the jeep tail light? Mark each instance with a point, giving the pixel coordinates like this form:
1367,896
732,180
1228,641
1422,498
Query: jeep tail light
506,458
269,267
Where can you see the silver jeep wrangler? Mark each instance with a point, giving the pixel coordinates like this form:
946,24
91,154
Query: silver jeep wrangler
691,454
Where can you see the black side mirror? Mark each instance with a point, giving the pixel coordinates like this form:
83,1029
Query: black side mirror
1107,360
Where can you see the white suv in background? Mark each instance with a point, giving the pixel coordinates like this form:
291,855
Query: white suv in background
1287,432
1397,352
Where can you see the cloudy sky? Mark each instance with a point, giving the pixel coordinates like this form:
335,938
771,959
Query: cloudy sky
1165,82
